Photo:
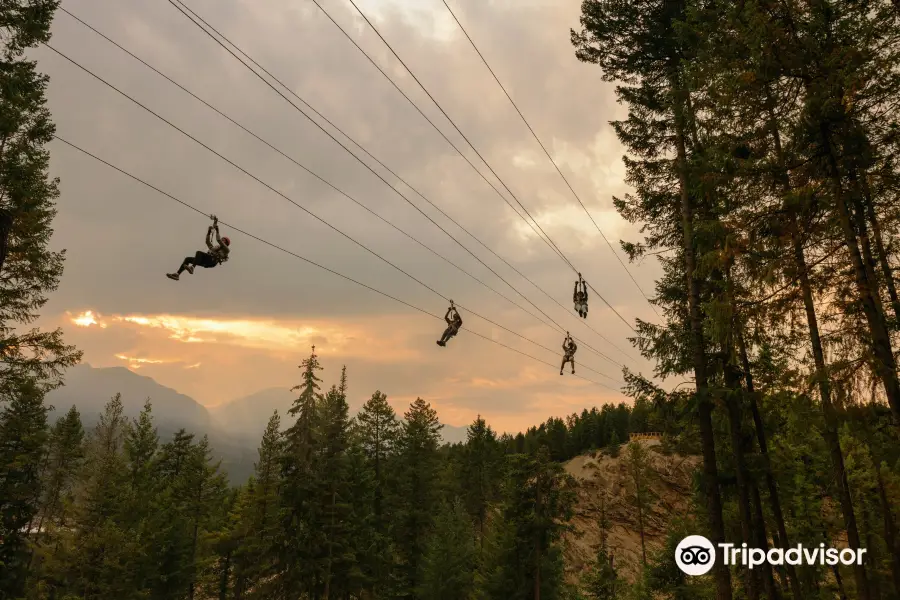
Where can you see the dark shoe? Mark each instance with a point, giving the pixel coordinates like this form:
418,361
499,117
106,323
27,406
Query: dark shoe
440,343
189,269
173,276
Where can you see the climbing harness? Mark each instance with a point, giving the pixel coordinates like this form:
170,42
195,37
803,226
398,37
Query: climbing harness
569,349
580,297
454,322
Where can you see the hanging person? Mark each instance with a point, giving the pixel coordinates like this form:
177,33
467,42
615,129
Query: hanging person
569,349
584,297
217,254
454,322
580,297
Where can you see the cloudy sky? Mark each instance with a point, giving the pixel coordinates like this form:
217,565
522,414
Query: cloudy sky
245,326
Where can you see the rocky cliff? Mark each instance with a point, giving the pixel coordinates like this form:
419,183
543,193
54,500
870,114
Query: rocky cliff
605,481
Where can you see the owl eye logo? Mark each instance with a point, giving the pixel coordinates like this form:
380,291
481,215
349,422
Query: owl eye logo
695,555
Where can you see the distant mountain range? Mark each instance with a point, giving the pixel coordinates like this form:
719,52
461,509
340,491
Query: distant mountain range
90,389
234,428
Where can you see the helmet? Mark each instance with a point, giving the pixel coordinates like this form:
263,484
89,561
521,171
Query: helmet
226,241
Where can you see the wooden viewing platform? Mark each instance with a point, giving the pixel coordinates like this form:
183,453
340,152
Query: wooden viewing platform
650,435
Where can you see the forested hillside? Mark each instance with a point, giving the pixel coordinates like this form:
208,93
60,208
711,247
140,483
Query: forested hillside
761,137
337,506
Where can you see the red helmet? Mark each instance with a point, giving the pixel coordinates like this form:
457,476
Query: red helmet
226,241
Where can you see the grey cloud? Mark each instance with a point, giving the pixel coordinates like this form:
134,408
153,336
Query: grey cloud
122,238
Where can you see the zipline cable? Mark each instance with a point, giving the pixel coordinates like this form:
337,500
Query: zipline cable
197,20
490,168
334,187
389,170
306,260
544,148
304,209
443,112
295,162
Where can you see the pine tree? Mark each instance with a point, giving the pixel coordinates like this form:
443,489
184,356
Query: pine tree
60,477
417,466
224,544
27,194
525,559
481,473
374,551
663,576
256,513
645,45
177,467
23,436
377,434
449,561
342,575
613,445
141,445
641,472
205,507
301,512
603,583
100,567
66,451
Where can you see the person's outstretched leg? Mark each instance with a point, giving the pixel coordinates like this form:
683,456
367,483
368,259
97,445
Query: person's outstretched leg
562,366
186,265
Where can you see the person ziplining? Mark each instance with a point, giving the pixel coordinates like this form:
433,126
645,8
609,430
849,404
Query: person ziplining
217,254
569,349
580,297
454,322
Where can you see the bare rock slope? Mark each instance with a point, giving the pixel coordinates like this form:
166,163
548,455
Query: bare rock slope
604,481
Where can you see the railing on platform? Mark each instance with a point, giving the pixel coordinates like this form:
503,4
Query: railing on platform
650,435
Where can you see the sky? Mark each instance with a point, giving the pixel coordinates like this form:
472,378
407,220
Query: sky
244,326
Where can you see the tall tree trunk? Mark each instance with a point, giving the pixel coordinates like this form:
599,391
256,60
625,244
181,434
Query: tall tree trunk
640,506
762,542
858,214
832,441
842,593
878,238
226,575
239,585
698,346
330,546
732,405
781,537
885,364
830,435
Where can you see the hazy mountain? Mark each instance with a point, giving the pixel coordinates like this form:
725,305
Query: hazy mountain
234,429
452,434
250,414
90,389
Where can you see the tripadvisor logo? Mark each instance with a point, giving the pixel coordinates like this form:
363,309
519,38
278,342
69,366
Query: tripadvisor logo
696,555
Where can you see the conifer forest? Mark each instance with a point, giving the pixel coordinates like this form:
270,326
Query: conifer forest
760,144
